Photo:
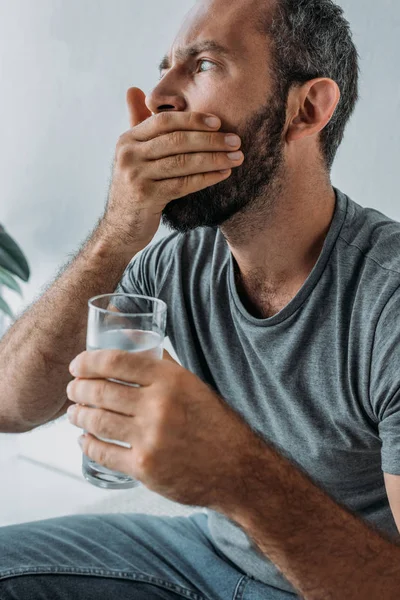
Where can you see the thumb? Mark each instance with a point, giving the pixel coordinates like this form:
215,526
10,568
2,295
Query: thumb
138,111
167,356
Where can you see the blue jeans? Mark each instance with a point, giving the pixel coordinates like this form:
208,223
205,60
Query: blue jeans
121,557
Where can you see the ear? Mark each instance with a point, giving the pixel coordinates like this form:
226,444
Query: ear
311,107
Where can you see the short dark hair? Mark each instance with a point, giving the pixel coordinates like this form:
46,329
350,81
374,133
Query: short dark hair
310,39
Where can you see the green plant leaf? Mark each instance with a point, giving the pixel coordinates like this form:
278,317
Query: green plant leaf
5,308
12,258
9,281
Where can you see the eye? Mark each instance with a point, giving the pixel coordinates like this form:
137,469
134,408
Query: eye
199,62
204,60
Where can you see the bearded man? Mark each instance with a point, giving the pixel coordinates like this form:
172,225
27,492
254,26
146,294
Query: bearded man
282,420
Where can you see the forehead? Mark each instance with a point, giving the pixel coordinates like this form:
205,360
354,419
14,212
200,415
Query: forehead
232,23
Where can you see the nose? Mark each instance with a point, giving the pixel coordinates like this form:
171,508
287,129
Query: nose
164,97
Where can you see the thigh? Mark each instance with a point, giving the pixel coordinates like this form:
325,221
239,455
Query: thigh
63,587
251,589
171,554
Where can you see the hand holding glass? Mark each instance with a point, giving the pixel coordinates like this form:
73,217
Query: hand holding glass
123,322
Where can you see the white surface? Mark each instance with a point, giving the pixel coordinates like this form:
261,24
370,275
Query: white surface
140,500
41,478
30,492
41,475
54,444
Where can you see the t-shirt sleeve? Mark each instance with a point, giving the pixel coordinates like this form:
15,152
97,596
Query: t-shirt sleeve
138,277
385,383
148,270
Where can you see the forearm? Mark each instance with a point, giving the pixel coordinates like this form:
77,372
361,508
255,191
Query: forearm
37,349
323,550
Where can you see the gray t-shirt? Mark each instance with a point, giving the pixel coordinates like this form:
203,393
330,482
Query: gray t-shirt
319,380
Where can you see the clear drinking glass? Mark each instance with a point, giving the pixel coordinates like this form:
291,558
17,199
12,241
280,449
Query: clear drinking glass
124,322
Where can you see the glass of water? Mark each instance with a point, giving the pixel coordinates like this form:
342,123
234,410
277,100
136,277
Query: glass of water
123,322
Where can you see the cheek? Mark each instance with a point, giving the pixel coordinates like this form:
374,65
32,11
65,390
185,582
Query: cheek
217,97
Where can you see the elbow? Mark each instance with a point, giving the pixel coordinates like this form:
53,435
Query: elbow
14,426
14,421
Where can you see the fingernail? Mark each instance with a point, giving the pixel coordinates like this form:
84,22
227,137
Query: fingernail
235,155
73,367
80,441
212,121
232,140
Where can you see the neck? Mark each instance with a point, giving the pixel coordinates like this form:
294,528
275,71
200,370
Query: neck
276,245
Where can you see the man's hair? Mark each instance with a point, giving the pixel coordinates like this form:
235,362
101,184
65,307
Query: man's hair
310,39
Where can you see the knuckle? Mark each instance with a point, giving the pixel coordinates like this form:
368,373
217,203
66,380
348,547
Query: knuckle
211,139
177,138
98,392
181,184
216,158
149,150
96,420
133,171
126,157
121,141
101,425
179,161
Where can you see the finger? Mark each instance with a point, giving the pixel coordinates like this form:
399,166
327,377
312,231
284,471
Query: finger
130,367
167,122
111,456
105,394
191,164
179,142
138,111
177,187
167,356
103,423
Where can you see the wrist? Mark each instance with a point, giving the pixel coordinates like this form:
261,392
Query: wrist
136,230
252,477
111,241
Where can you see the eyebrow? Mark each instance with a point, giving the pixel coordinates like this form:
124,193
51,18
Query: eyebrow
183,54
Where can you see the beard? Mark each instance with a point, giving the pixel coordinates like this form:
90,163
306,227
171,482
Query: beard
251,186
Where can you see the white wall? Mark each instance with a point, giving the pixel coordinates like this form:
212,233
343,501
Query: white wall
65,66
367,166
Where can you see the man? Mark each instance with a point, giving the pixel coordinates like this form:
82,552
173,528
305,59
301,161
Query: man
283,301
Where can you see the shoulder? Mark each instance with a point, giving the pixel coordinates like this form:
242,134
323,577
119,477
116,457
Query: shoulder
373,235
